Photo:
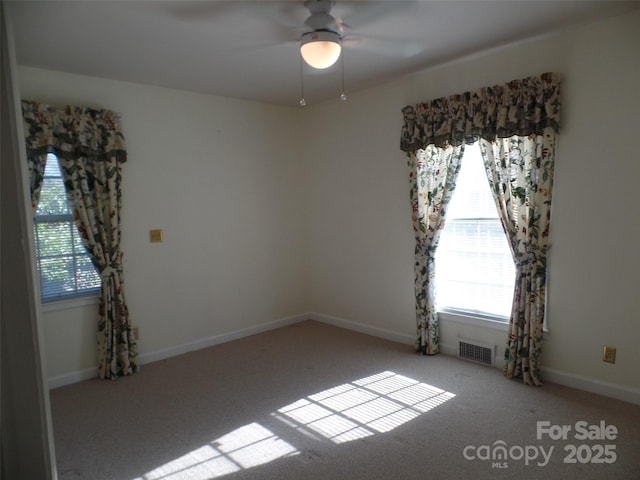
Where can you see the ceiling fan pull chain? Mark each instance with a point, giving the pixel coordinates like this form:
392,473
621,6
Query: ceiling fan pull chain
343,96
302,101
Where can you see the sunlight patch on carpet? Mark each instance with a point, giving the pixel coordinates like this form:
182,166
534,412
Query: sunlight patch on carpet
245,447
375,404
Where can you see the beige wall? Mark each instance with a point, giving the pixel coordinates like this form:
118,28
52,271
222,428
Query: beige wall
266,217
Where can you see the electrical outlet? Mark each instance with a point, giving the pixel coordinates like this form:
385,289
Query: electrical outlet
609,354
136,333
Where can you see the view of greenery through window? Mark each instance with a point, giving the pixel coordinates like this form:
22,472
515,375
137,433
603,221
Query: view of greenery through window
474,267
64,266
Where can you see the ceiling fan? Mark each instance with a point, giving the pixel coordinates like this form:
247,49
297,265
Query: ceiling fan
320,35
321,23
324,34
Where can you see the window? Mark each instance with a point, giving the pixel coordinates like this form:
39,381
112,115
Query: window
475,273
64,266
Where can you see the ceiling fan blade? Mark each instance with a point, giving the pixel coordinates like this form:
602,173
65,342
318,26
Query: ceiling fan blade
358,14
286,14
393,47
198,9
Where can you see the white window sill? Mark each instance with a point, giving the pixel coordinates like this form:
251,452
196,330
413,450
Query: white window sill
69,304
477,321
469,319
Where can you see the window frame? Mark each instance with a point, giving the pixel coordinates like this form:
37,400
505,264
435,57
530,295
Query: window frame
476,320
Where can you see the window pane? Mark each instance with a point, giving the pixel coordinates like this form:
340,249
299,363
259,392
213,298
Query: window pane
63,263
55,238
474,267
57,276
77,242
53,199
472,197
86,274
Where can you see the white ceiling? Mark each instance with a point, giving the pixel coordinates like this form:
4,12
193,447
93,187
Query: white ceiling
249,49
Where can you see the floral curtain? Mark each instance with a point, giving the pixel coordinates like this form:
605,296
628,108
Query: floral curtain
37,165
520,172
91,151
432,176
526,113
520,107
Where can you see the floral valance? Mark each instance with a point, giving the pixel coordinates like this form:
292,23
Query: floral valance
520,107
71,132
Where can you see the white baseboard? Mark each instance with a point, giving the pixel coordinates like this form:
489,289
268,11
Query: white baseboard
362,328
450,350
87,374
620,392
218,339
72,377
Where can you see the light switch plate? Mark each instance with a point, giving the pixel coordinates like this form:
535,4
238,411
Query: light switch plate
155,236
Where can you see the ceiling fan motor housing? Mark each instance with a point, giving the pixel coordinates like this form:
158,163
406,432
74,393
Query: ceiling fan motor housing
321,36
320,18
319,6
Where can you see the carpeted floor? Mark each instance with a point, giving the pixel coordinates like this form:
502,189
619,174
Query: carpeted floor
312,401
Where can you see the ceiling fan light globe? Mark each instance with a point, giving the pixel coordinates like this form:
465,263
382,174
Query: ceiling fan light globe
320,49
